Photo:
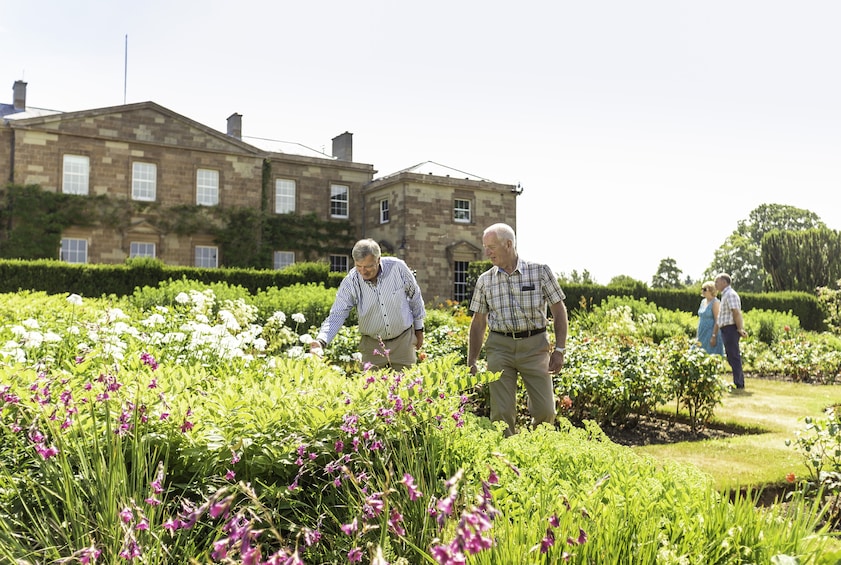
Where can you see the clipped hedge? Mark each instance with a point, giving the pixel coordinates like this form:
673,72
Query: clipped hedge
95,280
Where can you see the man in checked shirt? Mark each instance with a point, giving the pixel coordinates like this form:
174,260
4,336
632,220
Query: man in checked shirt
511,297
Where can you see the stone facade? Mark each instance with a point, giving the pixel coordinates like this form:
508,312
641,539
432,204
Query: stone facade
433,221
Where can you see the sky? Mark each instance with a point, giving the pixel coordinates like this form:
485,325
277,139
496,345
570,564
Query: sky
639,131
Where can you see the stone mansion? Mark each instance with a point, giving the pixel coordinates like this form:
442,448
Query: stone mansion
181,185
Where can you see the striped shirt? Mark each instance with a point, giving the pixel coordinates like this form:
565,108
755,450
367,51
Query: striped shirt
385,310
729,301
516,302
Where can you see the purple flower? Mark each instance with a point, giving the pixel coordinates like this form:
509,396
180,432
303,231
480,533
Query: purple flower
409,481
354,555
149,361
350,529
547,541
126,515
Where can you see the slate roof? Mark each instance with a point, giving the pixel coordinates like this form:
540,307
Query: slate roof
289,147
438,170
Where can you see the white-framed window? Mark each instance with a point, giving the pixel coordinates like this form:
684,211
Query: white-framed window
207,187
74,250
207,256
461,211
75,174
460,280
141,249
339,201
144,181
338,264
283,259
284,196
385,214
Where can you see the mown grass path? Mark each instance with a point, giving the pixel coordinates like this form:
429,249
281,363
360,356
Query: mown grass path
770,412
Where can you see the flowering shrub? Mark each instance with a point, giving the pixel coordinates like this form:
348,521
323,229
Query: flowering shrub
192,432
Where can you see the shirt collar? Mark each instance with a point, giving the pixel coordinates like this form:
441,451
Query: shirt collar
519,268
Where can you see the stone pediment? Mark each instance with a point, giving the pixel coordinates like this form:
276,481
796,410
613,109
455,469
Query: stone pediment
463,248
143,122
142,227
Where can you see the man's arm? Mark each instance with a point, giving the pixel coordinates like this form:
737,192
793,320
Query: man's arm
339,311
476,336
560,322
740,322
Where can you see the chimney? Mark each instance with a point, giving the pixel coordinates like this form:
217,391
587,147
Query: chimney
235,125
343,146
19,96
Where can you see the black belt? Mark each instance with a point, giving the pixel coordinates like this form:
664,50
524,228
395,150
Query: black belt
398,335
521,335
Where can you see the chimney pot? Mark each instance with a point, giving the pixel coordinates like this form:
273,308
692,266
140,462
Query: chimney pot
19,99
235,125
343,146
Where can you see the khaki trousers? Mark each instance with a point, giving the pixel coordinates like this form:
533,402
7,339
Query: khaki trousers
530,358
400,350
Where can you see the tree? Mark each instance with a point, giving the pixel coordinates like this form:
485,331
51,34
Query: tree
802,260
741,259
626,281
741,253
574,277
668,275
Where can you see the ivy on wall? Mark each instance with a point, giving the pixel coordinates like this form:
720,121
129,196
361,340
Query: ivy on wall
32,221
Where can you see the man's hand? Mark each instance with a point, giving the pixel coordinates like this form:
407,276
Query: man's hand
316,349
556,362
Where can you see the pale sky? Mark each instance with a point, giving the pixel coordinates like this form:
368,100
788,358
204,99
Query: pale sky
639,130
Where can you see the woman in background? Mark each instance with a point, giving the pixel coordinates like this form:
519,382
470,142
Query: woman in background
708,333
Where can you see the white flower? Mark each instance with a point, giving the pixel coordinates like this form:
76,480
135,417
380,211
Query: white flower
75,300
278,317
306,339
31,323
182,298
298,317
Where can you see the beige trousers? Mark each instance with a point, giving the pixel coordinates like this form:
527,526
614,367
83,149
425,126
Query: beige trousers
398,352
528,357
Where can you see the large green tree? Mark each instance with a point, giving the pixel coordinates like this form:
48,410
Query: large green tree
741,253
667,275
802,260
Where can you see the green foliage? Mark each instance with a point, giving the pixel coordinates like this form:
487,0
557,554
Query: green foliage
311,300
741,255
32,221
181,412
769,326
802,260
667,275
830,301
694,378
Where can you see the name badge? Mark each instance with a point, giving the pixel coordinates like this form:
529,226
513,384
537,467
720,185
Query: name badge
528,287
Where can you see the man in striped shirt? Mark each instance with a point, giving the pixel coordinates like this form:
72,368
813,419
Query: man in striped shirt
512,297
389,306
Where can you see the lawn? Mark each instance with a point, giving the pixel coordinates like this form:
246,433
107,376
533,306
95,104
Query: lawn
759,458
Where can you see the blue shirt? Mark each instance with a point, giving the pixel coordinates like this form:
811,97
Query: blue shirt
385,309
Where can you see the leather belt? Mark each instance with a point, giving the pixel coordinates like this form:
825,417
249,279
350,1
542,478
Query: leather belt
521,335
398,335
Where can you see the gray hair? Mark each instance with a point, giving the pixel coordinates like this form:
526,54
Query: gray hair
725,277
503,232
364,248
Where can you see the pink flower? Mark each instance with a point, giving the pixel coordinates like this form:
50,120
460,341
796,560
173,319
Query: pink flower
409,481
